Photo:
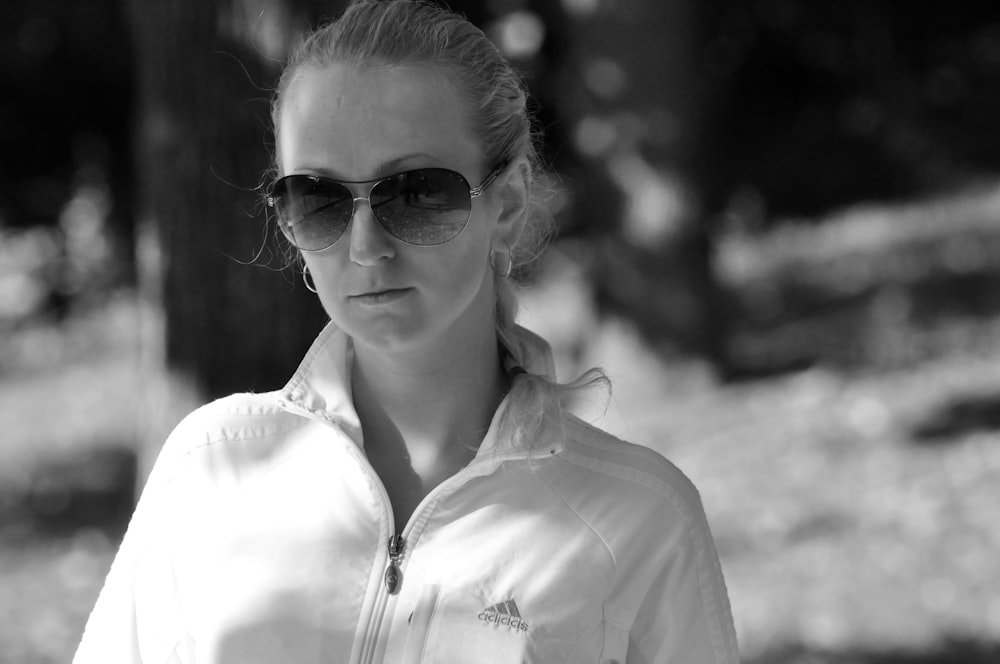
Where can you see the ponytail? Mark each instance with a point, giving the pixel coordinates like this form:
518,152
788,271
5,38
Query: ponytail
535,393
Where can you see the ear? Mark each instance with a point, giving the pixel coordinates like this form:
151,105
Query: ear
512,191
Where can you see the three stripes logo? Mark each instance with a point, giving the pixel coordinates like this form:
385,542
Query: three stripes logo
506,614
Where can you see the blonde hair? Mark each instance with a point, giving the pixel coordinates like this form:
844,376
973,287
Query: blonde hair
395,32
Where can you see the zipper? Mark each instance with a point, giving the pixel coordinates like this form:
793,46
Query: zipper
393,576
382,590
394,546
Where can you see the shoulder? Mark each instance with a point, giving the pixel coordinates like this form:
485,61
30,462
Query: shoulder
629,464
236,417
621,489
669,592
235,436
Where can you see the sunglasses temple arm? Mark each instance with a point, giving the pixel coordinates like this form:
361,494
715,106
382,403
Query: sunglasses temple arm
484,185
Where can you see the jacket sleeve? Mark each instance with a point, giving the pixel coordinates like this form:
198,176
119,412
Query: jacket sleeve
685,617
135,618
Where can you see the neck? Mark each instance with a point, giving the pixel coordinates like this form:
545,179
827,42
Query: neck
438,402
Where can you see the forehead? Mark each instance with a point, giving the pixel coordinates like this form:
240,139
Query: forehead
350,120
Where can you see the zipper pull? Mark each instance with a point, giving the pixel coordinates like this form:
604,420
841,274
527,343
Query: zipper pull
393,577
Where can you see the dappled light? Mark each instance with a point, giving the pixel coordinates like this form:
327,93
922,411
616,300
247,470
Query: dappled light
605,77
657,203
853,493
519,34
957,416
873,286
26,259
581,7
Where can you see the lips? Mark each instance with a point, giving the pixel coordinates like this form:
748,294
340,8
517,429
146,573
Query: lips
376,290
379,296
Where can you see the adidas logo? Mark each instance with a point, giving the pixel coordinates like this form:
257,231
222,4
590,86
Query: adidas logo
506,614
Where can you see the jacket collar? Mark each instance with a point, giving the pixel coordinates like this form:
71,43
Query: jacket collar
322,383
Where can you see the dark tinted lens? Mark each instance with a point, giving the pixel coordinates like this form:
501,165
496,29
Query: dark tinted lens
427,206
312,212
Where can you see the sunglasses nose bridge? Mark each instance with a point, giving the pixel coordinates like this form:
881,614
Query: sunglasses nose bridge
369,242
355,207
355,199
367,197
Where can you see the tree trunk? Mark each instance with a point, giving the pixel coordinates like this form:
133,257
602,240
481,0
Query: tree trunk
640,114
205,70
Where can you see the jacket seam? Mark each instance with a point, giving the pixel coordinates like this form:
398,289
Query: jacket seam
583,520
239,434
706,594
633,476
611,621
171,655
633,451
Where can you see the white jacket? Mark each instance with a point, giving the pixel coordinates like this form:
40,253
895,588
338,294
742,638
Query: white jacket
262,536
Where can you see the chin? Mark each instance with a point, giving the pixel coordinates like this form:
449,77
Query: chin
388,335
415,325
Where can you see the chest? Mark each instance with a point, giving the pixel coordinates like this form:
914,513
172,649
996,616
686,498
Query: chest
488,575
407,481
511,584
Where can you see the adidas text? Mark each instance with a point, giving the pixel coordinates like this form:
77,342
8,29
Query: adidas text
511,622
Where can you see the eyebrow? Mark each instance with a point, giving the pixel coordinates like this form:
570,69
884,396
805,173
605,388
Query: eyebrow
384,169
392,166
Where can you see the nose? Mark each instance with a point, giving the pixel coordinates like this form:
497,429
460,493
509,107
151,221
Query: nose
370,244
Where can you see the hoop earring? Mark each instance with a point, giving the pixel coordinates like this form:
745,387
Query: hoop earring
310,285
507,263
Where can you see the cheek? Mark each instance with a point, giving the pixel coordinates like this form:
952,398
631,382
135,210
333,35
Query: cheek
457,276
324,274
468,260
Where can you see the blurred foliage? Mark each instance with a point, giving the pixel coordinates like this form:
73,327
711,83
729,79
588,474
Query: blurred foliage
953,650
65,114
66,221
673,125
828,102
875,287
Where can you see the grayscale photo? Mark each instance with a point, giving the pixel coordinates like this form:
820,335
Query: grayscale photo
499,331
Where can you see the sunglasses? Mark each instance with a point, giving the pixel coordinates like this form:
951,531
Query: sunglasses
423,207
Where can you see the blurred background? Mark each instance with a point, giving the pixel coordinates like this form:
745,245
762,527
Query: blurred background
779,233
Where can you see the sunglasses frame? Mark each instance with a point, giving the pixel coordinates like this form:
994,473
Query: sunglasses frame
474,192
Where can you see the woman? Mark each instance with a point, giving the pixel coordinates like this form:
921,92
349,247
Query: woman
416,493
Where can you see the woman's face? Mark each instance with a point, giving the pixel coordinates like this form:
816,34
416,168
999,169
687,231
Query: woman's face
356,124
